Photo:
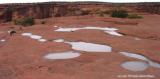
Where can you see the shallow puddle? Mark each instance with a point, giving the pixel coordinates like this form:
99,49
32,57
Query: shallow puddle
55,26
67,29
133,55
36,37
59,40
89,47
42,40
135,65
154,64
111,31
141,57
2,40
100,28
26,34
62,55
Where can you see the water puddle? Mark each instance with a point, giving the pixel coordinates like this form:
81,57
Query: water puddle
100,28
111,31
133,55
36,37
89,47
154,64
141,57
2,40
55,26
59,40
42,40
26,34
67,29
62,55
135,65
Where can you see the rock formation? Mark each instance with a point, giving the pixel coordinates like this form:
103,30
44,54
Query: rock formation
10,12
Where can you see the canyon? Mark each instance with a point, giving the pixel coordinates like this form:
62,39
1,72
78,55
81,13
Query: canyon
67,42
11,12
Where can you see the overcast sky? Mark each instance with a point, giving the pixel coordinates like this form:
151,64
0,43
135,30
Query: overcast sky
29,1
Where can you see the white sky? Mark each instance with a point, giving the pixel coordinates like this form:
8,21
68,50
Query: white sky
29,1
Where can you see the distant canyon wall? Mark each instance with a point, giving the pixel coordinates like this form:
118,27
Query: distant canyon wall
10,12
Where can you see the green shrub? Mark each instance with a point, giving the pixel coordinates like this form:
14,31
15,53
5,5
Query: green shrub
119,13
25,22
134,16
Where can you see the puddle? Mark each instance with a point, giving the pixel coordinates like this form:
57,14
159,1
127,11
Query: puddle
2,40
100,28
42,40
141,57
55,26
67,29
133,55
59,40
36,37
26,34
62,55
111,31
154,64
135,65
89,47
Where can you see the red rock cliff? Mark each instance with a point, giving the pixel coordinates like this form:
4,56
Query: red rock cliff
9,12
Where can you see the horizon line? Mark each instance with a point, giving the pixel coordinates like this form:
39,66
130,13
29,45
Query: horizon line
78,1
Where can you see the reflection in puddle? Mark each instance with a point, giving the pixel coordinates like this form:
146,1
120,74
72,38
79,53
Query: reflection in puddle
89,47
100,28
42,40
154,64
36,37
133,55
135,65
59,40
62,55
67,29
111,31
55,26
141,57
26,34
2,40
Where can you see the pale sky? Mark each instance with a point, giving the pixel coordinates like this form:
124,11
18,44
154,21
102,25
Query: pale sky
30,1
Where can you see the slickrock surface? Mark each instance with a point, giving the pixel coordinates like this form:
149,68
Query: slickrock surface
23,58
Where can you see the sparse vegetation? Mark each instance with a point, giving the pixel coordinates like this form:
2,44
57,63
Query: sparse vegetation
25,22
101,12
86,12
134,16
119,13
107,11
